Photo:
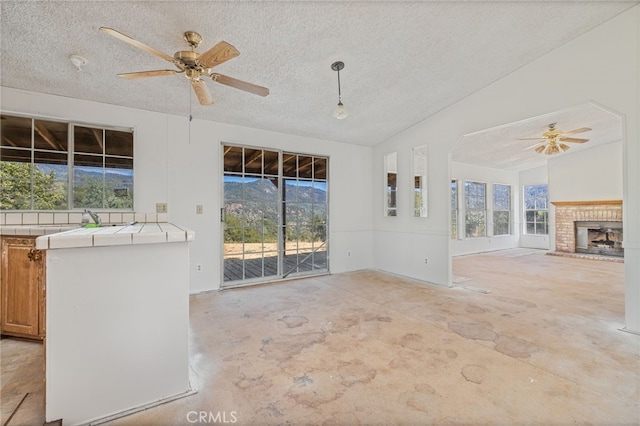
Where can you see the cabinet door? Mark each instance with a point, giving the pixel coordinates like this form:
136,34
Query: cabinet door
21,287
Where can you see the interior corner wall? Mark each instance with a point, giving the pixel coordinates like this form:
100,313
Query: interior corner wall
181,166
469,172
600,66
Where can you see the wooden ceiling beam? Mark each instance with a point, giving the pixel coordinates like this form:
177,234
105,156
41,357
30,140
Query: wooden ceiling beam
253,157
97,134
48,137
8,141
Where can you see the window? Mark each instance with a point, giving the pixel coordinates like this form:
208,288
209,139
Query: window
475,209
536,210
390,163
53,165
501,209
454,209
275,215
419,160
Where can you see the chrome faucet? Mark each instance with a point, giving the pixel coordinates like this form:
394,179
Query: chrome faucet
95,217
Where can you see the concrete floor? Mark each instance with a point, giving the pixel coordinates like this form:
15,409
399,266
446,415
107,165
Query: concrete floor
522,338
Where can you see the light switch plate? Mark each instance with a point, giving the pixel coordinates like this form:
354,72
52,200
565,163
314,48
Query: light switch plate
161,207
199,209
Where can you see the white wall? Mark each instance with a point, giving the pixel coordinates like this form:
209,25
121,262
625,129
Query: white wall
195,178
535,176
590,175
117,329
403,242
182,167
602,66
489,176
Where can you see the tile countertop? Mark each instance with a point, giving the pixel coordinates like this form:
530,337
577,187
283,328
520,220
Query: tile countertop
35,230
139,233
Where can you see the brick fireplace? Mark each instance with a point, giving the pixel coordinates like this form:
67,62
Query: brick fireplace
592,227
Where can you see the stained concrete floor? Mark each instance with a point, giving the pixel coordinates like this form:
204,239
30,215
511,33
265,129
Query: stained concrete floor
522,338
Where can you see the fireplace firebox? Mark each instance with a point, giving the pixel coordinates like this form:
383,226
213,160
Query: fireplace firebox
603,238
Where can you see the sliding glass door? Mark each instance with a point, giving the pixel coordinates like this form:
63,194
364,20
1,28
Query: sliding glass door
274,218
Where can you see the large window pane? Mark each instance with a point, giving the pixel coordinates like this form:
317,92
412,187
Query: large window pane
102,163
475,209
88,140
454,209
420,165
305,166
15,181
88,185
320,168
391,183
118,143
501,209
536,213
268,231
253,161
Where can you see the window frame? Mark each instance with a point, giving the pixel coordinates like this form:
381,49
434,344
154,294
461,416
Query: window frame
480,213
70,163
499,210
537,211
391,184
454,202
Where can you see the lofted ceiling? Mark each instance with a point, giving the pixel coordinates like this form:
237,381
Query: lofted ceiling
510,146
404,61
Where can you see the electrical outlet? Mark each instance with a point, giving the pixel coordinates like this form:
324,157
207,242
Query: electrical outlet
348,253
426,260
199,267
199,209
161,207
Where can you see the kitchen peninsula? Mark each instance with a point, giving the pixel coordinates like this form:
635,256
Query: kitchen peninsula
117,319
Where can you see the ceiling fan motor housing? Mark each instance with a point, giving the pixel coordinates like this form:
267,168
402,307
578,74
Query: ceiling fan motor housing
193,38
187,57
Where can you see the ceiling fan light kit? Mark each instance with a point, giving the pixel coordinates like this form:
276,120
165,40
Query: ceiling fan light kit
195,66
340,111
552,141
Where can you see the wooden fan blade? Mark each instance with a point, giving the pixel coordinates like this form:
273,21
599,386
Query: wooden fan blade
202,92
574,140
239,84
136,43
218,54
143,74
580,130
540,148
530,139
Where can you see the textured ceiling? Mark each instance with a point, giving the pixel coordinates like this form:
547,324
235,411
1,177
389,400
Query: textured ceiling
404,61
501,148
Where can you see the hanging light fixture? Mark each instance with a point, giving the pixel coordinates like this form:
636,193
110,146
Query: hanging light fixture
341,111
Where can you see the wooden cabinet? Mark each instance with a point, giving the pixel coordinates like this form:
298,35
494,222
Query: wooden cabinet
22,288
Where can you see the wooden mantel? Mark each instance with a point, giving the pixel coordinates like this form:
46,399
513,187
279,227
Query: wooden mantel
587,203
